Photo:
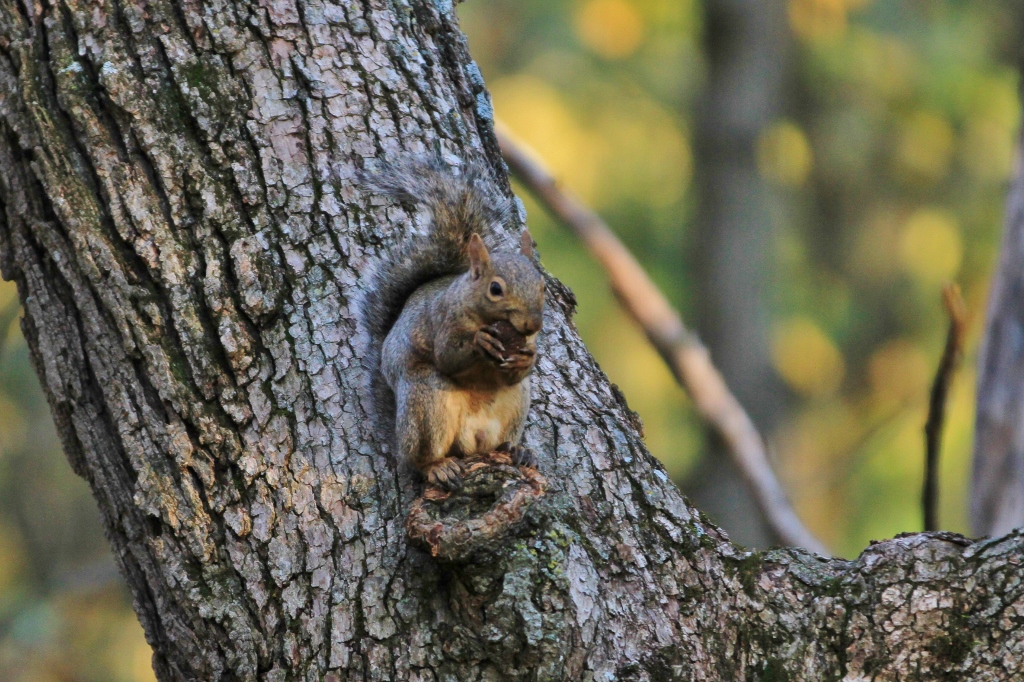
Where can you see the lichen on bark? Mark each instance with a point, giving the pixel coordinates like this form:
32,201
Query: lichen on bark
178,208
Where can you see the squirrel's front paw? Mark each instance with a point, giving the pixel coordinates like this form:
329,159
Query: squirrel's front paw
521,360
446,474
489,344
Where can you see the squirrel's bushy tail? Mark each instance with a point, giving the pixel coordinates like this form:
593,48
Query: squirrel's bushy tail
459,205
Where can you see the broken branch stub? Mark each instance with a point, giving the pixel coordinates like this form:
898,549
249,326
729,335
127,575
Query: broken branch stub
490,506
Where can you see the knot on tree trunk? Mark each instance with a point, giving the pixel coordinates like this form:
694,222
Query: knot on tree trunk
490,506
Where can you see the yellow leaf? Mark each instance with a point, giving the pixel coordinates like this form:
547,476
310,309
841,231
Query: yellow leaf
930,247
806,357
784,155
536,113
817,20
899,372
925,147
611,28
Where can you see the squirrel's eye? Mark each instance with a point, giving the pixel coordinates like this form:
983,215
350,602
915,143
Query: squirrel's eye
496,289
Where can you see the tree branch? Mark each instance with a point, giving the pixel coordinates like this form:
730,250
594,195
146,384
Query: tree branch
951,357
684,354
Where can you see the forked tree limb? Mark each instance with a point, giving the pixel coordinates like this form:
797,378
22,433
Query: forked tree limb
686,357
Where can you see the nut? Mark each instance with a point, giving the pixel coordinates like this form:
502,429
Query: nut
510,338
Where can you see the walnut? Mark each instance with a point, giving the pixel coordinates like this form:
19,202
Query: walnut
510,338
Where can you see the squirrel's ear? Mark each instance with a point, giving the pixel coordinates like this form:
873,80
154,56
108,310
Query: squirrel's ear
526,245
479,259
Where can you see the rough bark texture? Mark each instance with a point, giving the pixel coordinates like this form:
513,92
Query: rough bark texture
177,207
997,492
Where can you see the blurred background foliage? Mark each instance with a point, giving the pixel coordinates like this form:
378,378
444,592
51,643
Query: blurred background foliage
65,614
885,162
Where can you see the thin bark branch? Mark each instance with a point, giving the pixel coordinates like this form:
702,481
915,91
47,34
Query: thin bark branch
688,360
951,358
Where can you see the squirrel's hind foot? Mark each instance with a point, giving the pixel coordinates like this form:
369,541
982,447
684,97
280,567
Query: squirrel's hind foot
446,474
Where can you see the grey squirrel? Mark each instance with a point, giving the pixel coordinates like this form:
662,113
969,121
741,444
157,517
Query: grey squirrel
456,324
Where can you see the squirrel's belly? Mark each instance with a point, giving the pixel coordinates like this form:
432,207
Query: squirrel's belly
486,419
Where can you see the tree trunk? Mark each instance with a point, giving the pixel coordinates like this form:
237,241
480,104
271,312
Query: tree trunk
997,492
179,214
746,42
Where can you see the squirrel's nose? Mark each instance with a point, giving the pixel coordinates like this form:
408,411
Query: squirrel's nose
531,326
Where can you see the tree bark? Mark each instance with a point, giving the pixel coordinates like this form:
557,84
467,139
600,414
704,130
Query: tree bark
177,208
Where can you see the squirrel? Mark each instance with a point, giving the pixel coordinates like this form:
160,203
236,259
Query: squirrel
455,324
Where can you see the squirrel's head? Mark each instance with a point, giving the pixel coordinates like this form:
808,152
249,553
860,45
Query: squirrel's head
507,286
